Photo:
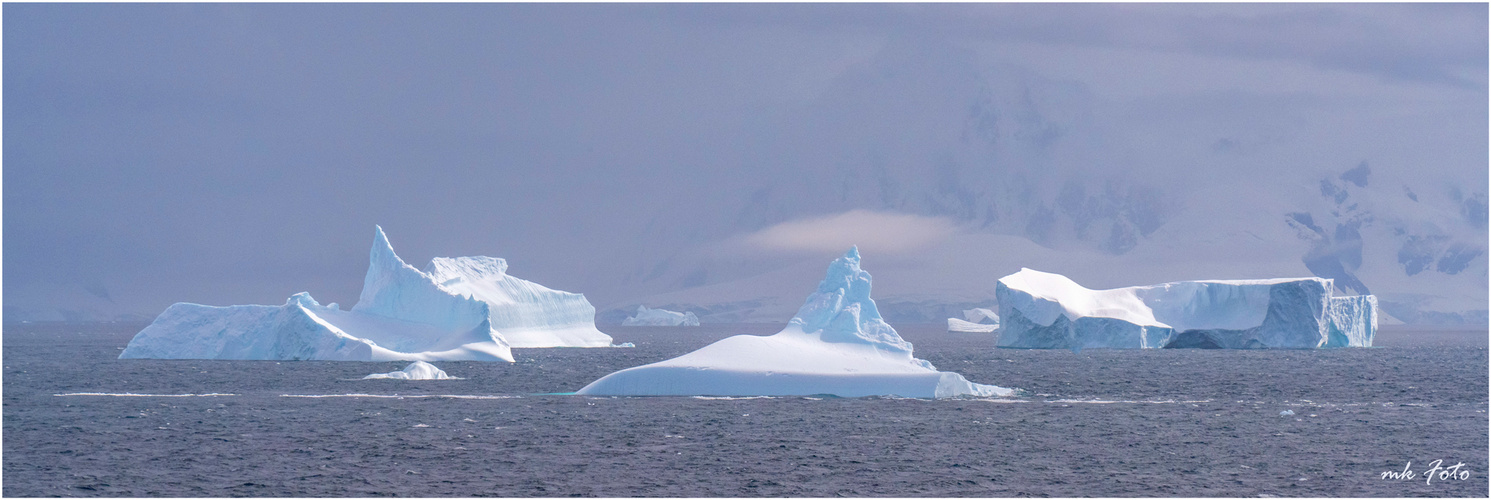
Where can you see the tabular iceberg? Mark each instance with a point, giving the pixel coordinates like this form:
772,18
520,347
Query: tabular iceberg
979,320
418,370
465,308
660,317
837,344
1049,311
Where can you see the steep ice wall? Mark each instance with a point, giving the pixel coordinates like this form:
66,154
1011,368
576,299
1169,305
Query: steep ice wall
1351,321
1045,311
837,344
527,314
394,289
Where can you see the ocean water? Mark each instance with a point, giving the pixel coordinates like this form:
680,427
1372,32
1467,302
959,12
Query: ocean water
1094,423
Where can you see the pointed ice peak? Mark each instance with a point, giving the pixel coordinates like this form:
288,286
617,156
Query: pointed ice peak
844,274
382,255
393,289
844,312
380,239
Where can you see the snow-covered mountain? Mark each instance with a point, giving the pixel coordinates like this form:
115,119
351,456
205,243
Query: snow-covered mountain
1036,172
717,185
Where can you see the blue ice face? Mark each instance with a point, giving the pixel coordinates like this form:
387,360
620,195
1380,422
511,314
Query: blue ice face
843,310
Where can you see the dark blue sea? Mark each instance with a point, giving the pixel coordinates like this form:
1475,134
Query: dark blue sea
1095,423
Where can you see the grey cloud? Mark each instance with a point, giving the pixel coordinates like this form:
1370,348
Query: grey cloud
1416,42
239,153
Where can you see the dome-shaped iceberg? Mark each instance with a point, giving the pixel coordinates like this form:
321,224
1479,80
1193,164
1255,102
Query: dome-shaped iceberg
418,370
837,344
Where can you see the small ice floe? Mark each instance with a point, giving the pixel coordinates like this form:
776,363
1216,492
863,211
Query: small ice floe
418,370
1286,413
624,344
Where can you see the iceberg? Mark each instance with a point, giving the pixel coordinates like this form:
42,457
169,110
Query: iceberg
1050,311
465,308
660,317
837,344
979,320
981,315
457,290
302,329
961,326
418,370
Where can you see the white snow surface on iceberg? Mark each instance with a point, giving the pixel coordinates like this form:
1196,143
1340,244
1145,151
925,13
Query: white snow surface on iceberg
837,344
1049,311
302,329
660,317
291,331
418,370
465,308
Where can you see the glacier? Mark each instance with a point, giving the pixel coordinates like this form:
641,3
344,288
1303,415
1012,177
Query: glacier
466,308
1049,311
660,317
418,370
977,320
836,344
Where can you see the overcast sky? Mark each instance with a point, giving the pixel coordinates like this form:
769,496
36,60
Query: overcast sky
239,153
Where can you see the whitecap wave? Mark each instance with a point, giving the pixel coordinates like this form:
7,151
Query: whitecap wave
139,395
